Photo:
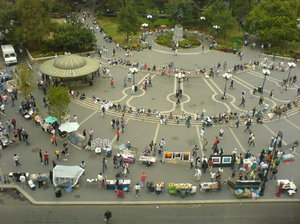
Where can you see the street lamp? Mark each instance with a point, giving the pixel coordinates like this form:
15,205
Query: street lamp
266,72
226,76
149,17
179,76
202,19
291,65
216,27
133,72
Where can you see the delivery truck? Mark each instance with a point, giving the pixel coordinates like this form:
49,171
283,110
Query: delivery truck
9,54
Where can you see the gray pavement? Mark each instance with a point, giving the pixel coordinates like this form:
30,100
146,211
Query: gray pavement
199,93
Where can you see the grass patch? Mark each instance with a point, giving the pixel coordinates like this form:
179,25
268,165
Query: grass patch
190,40
110,26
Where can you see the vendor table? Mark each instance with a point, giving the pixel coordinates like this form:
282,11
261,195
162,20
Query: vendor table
128,157
149,160
210,186
123,184
183,189
288,186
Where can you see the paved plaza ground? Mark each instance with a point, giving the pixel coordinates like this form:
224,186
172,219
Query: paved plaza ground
199,93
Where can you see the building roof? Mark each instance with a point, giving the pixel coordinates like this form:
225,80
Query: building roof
68,66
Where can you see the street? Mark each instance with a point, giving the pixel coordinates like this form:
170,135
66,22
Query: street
14,210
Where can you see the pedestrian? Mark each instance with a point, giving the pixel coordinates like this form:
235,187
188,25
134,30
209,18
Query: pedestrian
25,137
243,101
46,158
112,83
91,133
113,122
210,164
204,166
274,172
84,133
41,155
16,158
212,176
75,118
248,124
122,126
202,132
252,141
40,180
143,177
101,180
231,85
53,140
118,133
137,189
103,110
261,100
57,153
107,216
221,133
104,165
114,52
14,123
204,144
271,93
198,174
51,176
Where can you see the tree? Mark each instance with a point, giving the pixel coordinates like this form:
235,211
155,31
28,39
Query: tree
129,22
24,81
274,21
219,14
69,37
33,23
241,8
181,11
59,101
7,17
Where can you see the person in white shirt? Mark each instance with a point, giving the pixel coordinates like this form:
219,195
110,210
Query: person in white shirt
137,189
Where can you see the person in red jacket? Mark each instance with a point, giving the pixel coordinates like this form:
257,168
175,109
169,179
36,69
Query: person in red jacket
118,133
46,158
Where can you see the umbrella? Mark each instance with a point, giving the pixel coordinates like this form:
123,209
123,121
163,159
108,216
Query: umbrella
50,120
69,127
133,70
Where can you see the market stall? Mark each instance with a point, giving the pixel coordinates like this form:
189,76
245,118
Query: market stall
286,186
148,160
66,176
177,156
182,189
122,185
210,186
127,156
155,187
244,184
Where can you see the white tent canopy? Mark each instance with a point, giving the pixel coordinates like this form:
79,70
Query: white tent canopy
66,176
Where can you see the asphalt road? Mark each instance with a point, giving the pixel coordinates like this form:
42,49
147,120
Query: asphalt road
13,210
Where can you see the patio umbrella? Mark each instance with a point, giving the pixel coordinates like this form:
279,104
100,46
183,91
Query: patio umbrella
69,127
50,120
133,70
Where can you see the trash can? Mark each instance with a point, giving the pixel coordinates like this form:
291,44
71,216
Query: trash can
57,191
234,51
260,89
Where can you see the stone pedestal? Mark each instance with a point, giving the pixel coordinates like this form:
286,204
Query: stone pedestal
178,33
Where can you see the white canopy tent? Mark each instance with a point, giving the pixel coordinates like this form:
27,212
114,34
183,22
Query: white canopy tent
66,176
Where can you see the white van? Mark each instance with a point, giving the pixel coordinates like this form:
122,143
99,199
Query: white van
9,54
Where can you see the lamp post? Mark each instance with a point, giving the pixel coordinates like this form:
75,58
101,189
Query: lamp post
149,17
133,72
266,72
216,27
226,76
291,65
179,76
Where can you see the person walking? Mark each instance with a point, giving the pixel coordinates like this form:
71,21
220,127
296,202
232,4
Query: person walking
53,140
248,124
261,100
212,176
198,174
57,153
112,83
252,141
91,133
231,85
210,164
202,132
107,216
243,101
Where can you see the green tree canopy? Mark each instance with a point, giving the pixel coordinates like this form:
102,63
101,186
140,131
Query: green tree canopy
274,21
8,17
59,101
181,11
241,8
33,23
219,14
129,22
68,37
24,81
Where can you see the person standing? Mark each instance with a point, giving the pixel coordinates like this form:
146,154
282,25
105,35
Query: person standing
91,132
118,133
112,83
104,166
57,153
212,176
137,189
46,158
16,158
143,177
202,132
197,174
41,156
